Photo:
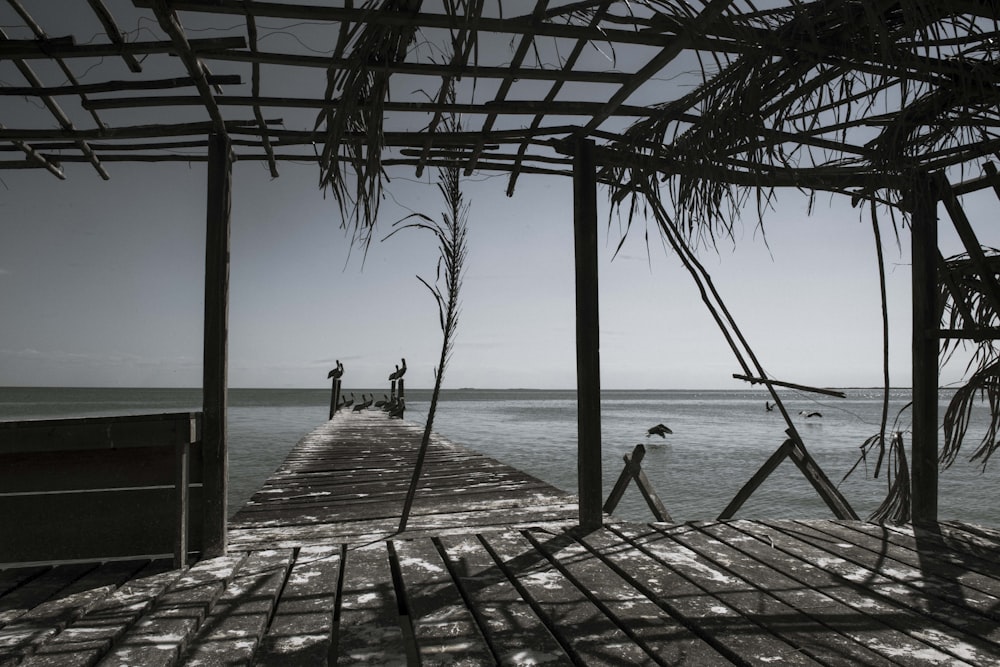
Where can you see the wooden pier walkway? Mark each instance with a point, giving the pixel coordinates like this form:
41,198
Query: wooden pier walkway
490,572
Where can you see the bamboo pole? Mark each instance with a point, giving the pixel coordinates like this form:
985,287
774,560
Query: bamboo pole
588,355
924,256
215,365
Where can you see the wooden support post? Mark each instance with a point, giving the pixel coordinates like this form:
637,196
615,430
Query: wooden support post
588,356
392,391
182,497
924,254
216,459
334,396
402,395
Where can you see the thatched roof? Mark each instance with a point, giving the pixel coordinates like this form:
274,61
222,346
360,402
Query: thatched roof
714,97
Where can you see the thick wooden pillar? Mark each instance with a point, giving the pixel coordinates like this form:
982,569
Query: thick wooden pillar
924,255
215,357
588,356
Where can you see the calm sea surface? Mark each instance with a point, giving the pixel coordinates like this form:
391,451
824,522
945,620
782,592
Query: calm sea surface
720,438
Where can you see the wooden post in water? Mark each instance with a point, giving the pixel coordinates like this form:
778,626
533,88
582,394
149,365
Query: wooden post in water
402,395
924,255
334,396
588,356
215,472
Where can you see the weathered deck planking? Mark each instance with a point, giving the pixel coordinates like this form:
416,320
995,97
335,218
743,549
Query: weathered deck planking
491,571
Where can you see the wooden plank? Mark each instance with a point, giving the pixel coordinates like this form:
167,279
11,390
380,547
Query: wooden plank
22,637
515,632
871,594
98,432
234,627
645,622
975,579
958,611
799,615
87,639
92,469
91,525
583,630
644,558
367,627
160,634
849,610
37,590
445,631
301,631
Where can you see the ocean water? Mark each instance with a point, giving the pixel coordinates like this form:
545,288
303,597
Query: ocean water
719,439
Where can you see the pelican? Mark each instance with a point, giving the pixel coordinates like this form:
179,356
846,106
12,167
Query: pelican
660,430
349,402
385,399
401,370
360,406
395,374
397,410
336,372
807,415
768,406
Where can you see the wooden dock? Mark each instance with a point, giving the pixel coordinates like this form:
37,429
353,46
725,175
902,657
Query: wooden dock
490,571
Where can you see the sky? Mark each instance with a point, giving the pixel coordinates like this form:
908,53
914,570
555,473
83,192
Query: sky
101,284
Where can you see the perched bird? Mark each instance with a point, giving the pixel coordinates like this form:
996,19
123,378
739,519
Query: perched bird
349,402
336,372
807,415
660,430
395,374
362,405
397,410
385,399
402,370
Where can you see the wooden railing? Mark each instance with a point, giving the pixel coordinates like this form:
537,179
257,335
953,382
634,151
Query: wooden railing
100,487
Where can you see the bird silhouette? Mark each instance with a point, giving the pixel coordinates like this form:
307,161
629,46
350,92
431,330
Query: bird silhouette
397,410
360,406
395,374
660,430
807,415
768,406
349,402
381,403
401,370
336,372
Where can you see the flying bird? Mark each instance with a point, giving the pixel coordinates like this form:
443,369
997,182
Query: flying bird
768,406
660,430
807,415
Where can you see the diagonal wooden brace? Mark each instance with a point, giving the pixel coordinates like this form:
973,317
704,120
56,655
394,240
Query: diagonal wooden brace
633,470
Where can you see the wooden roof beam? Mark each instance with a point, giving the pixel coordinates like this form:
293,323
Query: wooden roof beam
171,25
255,91
422,69
519,26
35,50
505,84
116,87
713,9
459,60
114,33
36,159
568,65
40,34
56,111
